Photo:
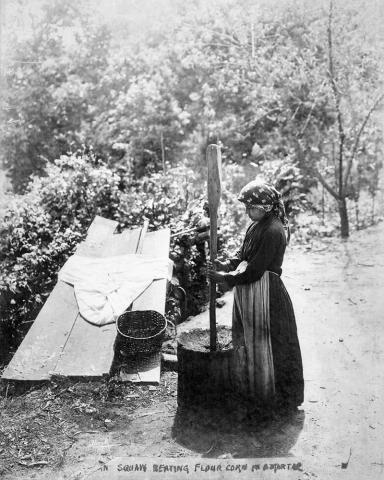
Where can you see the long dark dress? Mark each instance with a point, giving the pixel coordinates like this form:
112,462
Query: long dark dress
263,318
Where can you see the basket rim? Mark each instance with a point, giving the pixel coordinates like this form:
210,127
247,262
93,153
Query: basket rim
142,338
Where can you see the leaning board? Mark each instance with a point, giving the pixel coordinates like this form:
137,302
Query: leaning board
146,369
89,350
61,343
38,355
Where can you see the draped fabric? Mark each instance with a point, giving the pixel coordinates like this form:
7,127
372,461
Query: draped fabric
105,287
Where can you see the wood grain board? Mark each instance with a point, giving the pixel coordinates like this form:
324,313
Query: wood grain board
100,229
89,350
37,356
156,244
61,343
147,368
39,352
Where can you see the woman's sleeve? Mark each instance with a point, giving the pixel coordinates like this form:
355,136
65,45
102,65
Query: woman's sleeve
259,263
233,261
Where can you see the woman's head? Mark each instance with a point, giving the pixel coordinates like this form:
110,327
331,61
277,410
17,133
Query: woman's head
262,199
255,212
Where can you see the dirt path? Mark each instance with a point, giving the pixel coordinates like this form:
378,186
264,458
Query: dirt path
339,302
336,291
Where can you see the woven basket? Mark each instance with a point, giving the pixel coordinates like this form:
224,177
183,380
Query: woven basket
140,331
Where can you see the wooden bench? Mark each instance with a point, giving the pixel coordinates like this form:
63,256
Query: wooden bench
60,342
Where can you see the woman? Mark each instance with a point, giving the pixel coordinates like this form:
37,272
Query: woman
263,321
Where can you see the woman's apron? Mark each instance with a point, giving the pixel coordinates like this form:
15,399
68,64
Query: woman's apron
251,338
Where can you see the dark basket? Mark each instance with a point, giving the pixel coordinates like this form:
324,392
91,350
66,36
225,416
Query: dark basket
140,331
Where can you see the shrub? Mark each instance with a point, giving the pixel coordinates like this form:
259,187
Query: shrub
41,229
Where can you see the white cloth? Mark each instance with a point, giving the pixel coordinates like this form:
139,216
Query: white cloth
105,287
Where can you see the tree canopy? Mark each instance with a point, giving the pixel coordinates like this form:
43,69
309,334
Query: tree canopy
295,82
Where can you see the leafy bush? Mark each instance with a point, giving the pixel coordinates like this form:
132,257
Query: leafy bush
41,229
174,200
160,197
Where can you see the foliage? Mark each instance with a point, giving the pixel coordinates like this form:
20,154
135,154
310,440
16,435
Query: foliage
42,228
54,85
144,124
255,77
352,87
161,198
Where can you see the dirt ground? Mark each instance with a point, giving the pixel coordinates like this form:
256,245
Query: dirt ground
66,430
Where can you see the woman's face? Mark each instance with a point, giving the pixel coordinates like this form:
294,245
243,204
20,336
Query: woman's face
255,213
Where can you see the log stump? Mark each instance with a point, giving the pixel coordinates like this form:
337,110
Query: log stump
210,379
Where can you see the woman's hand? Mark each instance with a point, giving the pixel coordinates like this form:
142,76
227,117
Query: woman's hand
218,264
217,277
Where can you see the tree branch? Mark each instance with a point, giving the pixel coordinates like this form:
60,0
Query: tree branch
312,170
311,110
357,141
326,185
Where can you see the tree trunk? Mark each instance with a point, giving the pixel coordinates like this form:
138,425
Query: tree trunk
344,223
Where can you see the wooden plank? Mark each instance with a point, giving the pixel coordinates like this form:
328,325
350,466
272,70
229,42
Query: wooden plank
147,370
116,244
142,236
100,228
60,342
100,231
156,244
144,369
89,350
121,244
39,352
